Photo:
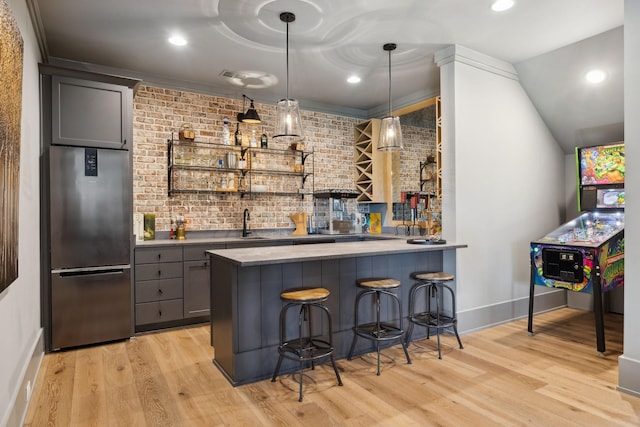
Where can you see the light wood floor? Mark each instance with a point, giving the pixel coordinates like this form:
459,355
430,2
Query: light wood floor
503,377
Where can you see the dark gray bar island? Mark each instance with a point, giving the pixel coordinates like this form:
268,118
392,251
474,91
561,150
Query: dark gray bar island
246,285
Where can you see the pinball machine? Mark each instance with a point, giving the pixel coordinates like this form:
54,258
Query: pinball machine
586,254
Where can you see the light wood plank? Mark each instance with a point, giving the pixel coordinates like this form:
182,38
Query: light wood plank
502,377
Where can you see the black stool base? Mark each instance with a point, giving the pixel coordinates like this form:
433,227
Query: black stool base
305,349
430,319
378,331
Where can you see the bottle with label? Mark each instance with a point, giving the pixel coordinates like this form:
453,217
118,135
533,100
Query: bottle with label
238,135
263,140
225,132
254,141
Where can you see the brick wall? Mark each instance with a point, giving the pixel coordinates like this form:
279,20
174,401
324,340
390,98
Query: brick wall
159,112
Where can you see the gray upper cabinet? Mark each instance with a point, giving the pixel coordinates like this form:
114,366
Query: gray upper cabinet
90,114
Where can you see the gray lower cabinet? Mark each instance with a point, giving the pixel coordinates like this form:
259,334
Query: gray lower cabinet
197,276
158,285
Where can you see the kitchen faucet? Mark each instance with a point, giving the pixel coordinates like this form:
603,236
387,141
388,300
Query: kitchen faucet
245,217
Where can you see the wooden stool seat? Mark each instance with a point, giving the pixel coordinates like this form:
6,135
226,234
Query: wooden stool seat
438,276
305,295
379,283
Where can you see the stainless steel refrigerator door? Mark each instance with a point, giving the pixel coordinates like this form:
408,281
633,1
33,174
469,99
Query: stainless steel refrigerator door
90,207
90,307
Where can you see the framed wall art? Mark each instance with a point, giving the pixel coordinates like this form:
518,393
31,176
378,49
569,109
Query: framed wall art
11,54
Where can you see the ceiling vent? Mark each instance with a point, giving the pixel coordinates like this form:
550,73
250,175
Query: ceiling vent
249,79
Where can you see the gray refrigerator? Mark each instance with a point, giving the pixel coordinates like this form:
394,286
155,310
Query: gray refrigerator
90,245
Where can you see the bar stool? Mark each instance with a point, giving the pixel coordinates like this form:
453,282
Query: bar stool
378,330
306,347
435,289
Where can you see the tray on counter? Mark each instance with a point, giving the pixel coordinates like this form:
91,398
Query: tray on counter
426,241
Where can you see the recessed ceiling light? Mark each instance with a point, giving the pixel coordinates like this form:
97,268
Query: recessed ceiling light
177,40
595,76
502,5
354,79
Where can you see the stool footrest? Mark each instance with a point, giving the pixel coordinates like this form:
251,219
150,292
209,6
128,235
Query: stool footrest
307,349
386,331
431,320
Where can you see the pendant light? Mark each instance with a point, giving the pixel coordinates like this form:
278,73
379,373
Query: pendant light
390,132
251,116
288,122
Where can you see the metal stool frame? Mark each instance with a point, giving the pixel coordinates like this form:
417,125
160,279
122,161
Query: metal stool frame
434,290
378,331
305,348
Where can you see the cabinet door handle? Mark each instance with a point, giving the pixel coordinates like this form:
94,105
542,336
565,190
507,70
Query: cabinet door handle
159,272
159,313
160,292
159,256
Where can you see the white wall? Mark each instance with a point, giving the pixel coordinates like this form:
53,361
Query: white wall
629,362
20,330
503,186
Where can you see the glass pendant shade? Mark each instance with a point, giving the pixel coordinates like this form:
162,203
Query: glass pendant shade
390,134
288,119
390,138
288,123
251,116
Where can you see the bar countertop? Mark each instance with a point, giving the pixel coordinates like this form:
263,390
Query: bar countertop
246,257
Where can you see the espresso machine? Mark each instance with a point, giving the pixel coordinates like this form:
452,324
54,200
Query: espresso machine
336,212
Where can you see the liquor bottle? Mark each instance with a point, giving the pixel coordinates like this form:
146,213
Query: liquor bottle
225,132
263,140
238,135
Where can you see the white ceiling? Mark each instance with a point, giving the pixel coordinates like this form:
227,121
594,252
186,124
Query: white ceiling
550,42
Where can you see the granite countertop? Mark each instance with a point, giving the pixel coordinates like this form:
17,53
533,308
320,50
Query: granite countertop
247,257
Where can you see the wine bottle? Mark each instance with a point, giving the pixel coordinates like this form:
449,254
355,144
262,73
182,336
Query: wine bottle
238,135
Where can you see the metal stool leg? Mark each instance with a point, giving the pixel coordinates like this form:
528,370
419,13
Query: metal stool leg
378,329
454,315
438,319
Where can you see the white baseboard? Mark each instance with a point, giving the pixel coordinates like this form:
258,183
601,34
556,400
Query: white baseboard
22,396
496,314
629,375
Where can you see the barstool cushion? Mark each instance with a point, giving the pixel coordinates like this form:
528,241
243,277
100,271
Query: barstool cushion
378,283
305,294
438,276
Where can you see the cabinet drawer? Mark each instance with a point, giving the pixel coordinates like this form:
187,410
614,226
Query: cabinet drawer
165,270
158,290
152,255
158,311
197,253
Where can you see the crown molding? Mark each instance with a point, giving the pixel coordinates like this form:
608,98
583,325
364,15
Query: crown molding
464,55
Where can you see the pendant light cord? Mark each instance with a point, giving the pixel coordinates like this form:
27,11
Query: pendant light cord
389,82
287,61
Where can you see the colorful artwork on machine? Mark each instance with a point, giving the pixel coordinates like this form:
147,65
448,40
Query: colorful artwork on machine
602,165
611,262
539,279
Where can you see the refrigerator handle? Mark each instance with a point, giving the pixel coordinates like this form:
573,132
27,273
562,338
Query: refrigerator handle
92,272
